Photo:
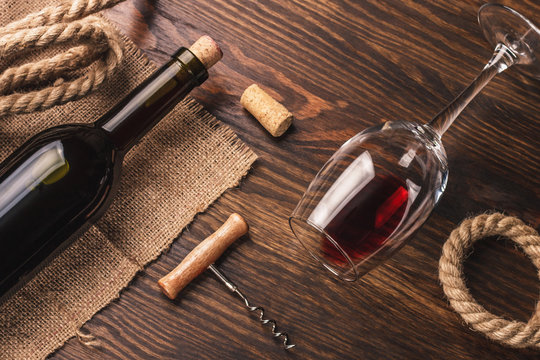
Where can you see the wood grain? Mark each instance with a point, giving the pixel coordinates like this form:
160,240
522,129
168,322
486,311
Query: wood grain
339,66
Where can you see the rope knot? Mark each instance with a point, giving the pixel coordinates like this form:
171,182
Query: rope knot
512,333
34,86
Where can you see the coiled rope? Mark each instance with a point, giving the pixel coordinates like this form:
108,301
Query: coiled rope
512,333
39,85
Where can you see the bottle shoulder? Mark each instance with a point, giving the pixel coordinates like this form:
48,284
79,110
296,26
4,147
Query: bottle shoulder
84,133
86,138
83,149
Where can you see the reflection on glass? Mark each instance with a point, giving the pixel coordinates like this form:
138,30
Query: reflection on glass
357,175
46,165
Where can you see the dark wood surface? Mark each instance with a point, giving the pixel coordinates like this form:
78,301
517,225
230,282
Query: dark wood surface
339,66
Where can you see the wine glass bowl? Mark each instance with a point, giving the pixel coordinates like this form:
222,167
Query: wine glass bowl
372,194
382,184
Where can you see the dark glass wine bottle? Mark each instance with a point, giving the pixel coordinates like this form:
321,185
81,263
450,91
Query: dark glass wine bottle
63,179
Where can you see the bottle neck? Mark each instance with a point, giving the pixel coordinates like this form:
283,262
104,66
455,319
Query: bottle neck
128,121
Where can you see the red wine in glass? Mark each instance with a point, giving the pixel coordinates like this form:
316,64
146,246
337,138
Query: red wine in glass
363,225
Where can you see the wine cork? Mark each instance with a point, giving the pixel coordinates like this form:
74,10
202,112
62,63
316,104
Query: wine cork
271,114
207,51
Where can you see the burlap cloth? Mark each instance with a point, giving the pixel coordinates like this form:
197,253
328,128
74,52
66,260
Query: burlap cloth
178,170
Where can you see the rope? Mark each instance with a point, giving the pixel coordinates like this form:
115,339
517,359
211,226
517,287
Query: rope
95,45
512,333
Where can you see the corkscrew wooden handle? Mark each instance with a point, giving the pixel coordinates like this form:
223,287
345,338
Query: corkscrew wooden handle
204,254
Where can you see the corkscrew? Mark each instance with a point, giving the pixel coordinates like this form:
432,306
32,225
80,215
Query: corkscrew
203,257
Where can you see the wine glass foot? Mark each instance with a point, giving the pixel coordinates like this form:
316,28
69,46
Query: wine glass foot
503,25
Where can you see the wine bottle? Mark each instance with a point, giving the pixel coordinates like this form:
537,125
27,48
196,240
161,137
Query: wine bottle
64,178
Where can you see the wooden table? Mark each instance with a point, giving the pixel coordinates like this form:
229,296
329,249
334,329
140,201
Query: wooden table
339,66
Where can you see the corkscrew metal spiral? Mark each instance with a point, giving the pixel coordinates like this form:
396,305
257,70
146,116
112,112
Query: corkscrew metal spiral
233,288
203,257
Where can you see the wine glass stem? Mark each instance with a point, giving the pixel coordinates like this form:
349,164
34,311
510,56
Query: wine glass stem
503,58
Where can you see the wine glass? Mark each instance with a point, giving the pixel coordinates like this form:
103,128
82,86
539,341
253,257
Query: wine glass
382,184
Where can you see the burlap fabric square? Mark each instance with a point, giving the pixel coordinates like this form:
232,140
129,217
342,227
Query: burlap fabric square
178,170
